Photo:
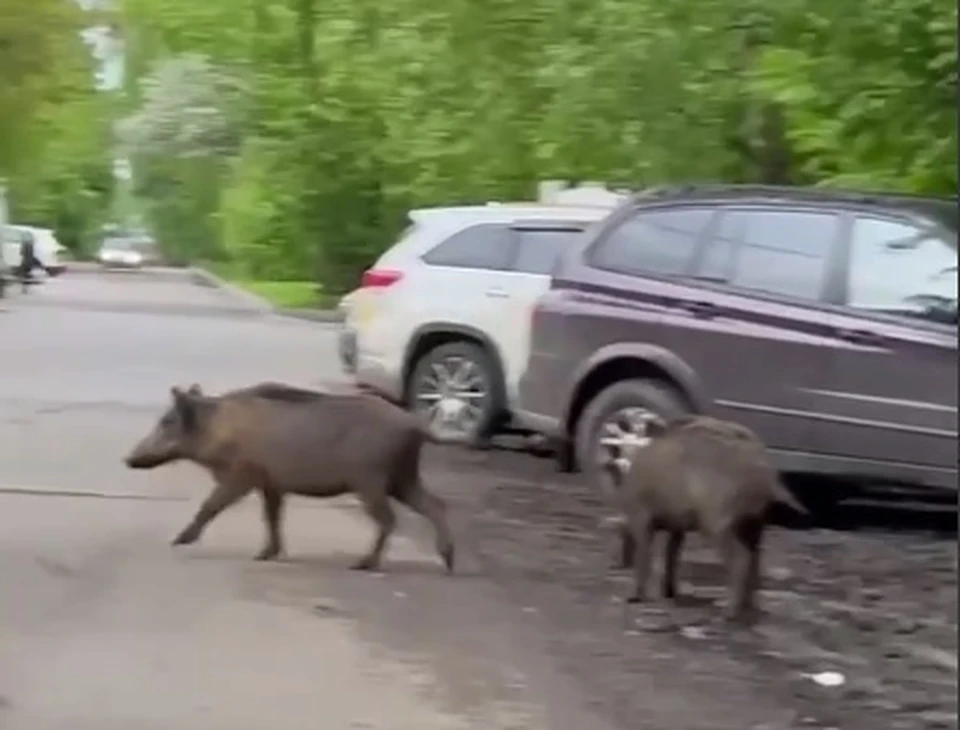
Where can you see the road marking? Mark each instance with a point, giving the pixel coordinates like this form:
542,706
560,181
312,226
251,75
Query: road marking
58,492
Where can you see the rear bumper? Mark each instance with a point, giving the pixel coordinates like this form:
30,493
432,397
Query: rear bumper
543,390
378,376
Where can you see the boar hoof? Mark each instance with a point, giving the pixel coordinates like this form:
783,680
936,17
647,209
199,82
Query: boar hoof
635,598
187,537
741,617
365,563
268,553
447,556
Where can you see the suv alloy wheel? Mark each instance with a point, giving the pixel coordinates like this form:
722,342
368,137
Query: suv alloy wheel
454,386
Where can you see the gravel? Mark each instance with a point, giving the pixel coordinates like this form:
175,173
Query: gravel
873,598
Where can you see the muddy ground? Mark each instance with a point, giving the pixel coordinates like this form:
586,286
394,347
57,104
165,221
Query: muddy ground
874,599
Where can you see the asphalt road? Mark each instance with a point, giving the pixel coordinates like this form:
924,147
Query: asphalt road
103,626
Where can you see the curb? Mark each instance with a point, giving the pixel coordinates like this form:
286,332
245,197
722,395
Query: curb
202,277
324,316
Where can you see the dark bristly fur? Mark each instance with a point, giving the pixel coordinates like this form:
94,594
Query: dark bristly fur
277,440
698,474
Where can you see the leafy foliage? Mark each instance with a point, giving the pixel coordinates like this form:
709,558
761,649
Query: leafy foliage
290,137
54,126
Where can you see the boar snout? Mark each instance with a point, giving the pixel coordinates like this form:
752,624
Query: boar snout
150,453
138,460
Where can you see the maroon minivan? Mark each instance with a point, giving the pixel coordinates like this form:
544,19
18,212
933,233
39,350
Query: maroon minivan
824,320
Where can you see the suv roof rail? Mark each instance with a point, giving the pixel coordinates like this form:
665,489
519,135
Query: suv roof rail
788,192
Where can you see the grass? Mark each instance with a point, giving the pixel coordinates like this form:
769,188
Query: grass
282,294
285,294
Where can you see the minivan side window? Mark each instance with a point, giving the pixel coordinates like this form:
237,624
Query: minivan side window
782,252
659,242
900,269
540,248
483,246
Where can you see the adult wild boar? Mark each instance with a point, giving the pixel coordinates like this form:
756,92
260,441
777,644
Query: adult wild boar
697,474
277,440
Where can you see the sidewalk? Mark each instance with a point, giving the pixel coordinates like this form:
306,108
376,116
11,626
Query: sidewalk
111,629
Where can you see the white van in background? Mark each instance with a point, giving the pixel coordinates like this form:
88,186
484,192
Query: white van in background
48,250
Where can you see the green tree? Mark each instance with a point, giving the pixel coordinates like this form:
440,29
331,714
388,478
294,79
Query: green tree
54,126
346,114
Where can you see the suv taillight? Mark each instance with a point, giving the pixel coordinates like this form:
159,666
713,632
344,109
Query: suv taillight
380,278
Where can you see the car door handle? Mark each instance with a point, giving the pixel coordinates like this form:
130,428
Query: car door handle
702,309
497,293
861,337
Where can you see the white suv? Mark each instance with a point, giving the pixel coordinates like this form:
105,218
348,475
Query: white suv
441,322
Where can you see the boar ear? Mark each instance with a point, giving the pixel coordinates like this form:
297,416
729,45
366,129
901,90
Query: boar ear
182,397
194,390
186,406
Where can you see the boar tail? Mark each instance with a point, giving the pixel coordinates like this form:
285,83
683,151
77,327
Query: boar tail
785,496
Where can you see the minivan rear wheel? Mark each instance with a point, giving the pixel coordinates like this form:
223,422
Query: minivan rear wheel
614,418
454,387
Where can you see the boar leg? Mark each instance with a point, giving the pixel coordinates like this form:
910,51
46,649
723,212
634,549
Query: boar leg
753,537
224,494
627,547
272,514
670,557
430,506
378,507
643,529
742,548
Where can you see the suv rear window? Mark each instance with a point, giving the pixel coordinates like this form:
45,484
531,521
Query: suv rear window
655,242
482,246
540,249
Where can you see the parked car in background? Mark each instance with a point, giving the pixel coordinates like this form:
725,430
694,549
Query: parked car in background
7,274
126,252
824,320
441,321
49,251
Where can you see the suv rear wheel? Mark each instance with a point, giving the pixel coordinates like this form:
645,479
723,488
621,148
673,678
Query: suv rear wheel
613,418
454,385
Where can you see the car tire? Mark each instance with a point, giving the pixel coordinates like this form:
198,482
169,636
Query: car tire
651,395
490,405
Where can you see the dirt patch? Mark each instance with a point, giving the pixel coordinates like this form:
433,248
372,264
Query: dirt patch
876,604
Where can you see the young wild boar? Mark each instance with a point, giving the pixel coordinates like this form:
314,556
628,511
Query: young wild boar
277,440
697,474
